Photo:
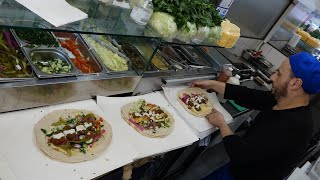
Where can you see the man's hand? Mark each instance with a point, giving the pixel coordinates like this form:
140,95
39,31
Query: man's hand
216,119
203,84
216,86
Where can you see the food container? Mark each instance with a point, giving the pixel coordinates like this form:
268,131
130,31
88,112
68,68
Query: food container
194,56
171,56
136,57
105,49
43,55
158,61
92,62
10,71
50,41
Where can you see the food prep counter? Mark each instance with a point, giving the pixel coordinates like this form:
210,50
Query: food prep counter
60,67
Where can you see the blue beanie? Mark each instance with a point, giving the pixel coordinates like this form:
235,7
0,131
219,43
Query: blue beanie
307,68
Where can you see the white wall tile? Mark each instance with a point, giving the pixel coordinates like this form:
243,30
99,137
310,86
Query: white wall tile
265,48
275,57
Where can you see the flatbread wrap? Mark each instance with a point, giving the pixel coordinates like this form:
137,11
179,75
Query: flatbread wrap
195,101
72,135
148,119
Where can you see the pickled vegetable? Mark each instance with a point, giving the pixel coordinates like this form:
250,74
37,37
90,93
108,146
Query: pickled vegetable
157,60
134,56
12,62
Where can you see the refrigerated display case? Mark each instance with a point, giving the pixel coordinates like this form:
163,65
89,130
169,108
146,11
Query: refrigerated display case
105,54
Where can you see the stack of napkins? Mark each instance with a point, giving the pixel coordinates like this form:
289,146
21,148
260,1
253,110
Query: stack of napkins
201,126
56,12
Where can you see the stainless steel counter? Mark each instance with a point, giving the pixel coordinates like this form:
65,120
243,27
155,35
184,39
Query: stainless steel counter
36,93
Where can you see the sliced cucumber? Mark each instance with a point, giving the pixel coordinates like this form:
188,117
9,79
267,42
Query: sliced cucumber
89,141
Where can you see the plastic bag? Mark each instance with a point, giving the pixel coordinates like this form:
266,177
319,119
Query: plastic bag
202,35
214,35
185,34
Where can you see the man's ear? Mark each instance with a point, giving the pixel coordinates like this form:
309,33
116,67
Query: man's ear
296,83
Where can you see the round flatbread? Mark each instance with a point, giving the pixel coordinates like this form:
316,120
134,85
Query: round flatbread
59,154
205,108
160,133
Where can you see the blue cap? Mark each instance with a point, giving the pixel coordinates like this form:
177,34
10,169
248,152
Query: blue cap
307,68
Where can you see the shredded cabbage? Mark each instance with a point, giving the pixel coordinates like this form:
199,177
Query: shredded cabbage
112,60
186,33
164,24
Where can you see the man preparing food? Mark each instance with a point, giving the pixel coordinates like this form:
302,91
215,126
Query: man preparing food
281,132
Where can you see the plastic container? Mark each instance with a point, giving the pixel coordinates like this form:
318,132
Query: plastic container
141,13
224,75
234,80
230,34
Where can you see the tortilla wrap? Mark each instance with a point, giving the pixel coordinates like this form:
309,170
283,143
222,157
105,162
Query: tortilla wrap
205,108
161,132
59,154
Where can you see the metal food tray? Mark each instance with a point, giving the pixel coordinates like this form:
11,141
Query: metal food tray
210,59
84,51
49,53
170,67
174,63
95,54
23,43
185,56
138,51
195,56
19,79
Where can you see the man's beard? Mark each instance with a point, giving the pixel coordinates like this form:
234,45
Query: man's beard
281,91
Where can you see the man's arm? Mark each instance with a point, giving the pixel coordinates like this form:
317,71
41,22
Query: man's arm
249,98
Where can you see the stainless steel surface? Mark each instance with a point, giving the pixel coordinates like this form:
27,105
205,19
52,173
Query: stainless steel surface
84,51
45,92
256,18
185,80
173,58
149,84
34,55
215,59
198,59
170,68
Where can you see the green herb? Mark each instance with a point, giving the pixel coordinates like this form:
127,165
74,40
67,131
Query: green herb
315,34
44,131
72,121
12,62
200,12
60,122
83,148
